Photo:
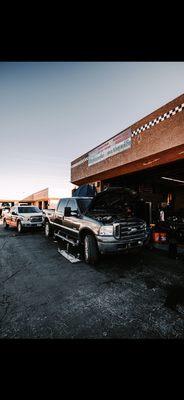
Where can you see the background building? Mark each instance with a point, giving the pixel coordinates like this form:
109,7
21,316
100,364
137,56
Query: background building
42,199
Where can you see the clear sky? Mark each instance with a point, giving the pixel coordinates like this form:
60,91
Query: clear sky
53,112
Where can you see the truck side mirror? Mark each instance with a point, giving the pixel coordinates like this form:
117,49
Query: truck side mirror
67,211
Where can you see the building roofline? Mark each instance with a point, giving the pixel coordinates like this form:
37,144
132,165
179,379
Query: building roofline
135,124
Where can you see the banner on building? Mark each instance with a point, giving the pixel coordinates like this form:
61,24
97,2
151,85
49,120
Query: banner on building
117,144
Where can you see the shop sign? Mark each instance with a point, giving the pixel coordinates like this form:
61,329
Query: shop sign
117,144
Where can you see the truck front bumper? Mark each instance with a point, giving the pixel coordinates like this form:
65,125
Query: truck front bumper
28,224
111,245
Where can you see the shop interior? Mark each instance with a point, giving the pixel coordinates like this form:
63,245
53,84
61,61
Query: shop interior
161,189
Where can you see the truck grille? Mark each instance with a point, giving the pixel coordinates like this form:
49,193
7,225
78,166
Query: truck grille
129,230
36,219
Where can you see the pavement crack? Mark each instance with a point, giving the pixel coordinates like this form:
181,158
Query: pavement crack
5,312
3,244
11,276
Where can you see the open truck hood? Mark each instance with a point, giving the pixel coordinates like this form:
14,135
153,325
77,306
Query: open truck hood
110,195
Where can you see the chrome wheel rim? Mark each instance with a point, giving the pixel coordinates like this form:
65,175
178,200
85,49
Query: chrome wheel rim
47,229
19,227
86,249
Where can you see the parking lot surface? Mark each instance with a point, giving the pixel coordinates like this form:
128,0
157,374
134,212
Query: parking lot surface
43,295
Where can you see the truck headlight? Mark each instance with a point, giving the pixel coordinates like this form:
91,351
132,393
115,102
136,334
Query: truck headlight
106,230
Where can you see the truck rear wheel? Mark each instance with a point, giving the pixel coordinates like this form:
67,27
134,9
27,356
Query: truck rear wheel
91,253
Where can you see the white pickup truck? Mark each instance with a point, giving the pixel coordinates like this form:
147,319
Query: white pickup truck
22,217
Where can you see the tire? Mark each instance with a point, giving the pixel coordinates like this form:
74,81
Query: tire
19,227
91,253
6,226
47,229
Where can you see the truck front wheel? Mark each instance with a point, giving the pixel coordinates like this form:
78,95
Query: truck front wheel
48,230
19,227
91,253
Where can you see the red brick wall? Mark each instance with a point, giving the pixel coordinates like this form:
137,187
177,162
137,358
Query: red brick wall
161,138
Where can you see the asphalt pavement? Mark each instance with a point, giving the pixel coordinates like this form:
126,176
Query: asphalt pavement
44,295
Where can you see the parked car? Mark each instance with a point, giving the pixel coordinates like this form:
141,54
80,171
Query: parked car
21,217
102,224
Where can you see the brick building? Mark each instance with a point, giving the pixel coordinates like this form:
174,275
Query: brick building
148,156
42,199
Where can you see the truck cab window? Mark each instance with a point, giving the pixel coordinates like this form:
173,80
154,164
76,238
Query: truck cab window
62,205
73,205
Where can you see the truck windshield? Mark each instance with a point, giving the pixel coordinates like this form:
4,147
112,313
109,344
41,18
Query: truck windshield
26,210
83,204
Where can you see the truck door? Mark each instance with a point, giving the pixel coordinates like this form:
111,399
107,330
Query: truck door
72,223
8,216
14,217
59,213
